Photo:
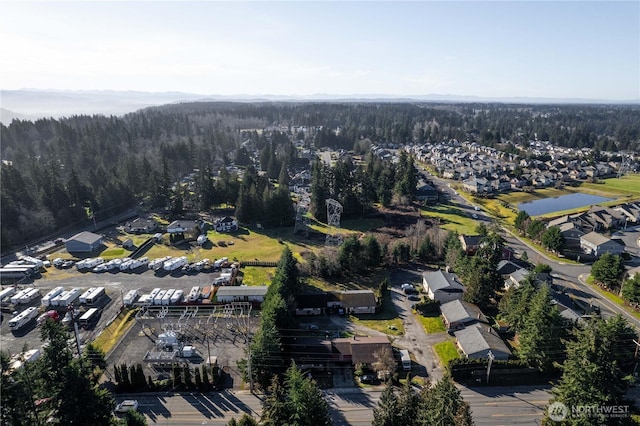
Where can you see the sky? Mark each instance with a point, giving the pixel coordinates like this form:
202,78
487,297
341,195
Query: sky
543,49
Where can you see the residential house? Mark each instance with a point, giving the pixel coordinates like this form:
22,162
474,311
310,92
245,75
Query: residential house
631,273
141,225
470,243
597,244
458,314
478,340
608,217
182,227
477,185
226,224
631,212
426,192
311,303
358,301
442,286
572,234
360,350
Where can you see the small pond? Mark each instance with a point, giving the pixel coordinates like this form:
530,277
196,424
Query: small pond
564,202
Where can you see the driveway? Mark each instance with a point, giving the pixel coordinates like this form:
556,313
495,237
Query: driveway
415,340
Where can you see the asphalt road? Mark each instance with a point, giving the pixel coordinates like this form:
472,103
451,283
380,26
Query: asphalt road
521,405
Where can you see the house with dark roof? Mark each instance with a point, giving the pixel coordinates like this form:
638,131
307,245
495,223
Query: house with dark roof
458,314
83,242
360,350
442,286
358,301
311,303
226,224
470,243
476,341
571,233
597,244
426,192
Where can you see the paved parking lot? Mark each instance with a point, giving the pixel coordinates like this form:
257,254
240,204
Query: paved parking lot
116,285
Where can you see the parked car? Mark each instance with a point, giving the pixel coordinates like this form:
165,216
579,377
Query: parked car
414,298
367,378
126,405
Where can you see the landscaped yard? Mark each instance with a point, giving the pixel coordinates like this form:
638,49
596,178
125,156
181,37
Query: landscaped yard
431,324
446,351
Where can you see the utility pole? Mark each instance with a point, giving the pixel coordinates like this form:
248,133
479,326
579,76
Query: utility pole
75,330
491,358
635,368
249,368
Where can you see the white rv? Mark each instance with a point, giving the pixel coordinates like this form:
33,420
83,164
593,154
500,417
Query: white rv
167,296
23,318
46,300
130,298
176,297
83,296
193,294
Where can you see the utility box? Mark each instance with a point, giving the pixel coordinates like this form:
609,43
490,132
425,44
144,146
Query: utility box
188,351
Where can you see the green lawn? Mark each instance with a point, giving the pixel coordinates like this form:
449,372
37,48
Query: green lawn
446,351
612,297
432,324
451,218
385,321
257,275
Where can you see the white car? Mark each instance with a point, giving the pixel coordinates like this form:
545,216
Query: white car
126,405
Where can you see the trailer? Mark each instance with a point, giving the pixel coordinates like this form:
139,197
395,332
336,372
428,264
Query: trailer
46,300
159,263
7,292
176,297
83,296
95,295
145,299
206,292
130,298
175,264
15,299
89,263
55,301
137,263
202,264
33,261
29,296
157,300
154,292
22,265
16,272
193,294
23,318
167,296
126,263
71,296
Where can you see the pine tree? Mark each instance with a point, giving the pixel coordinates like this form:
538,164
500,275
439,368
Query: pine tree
386,412
275,411
442,405
591,374
540,343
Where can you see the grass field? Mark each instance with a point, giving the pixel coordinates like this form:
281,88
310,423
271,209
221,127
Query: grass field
451,218
431,324
256,275
446,351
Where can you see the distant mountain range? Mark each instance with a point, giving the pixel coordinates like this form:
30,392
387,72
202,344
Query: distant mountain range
31,104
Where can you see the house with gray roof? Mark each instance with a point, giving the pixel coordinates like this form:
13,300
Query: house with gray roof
442,286
597,244
477,340
458,314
